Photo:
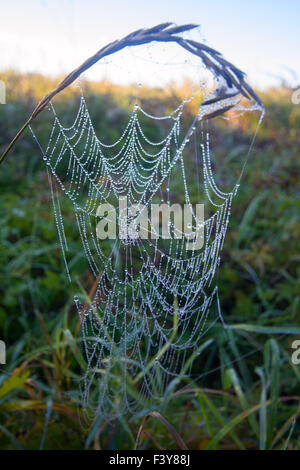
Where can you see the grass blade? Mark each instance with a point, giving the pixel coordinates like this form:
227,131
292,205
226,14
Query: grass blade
229,427
171,430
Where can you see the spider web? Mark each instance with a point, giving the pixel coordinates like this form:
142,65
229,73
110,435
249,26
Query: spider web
154,297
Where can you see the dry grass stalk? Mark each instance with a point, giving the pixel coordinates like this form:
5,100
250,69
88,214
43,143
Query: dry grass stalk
164,32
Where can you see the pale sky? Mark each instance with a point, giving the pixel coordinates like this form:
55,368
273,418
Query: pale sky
54,36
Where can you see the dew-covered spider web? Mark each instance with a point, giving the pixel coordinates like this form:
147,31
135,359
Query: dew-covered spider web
154,294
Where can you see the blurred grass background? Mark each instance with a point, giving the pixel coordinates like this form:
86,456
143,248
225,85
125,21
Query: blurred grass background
245,394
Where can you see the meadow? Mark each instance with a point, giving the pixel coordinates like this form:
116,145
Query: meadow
244,392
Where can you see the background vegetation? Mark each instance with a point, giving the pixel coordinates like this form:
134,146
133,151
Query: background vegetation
245,391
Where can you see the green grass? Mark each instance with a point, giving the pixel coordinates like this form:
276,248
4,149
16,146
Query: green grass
244,393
